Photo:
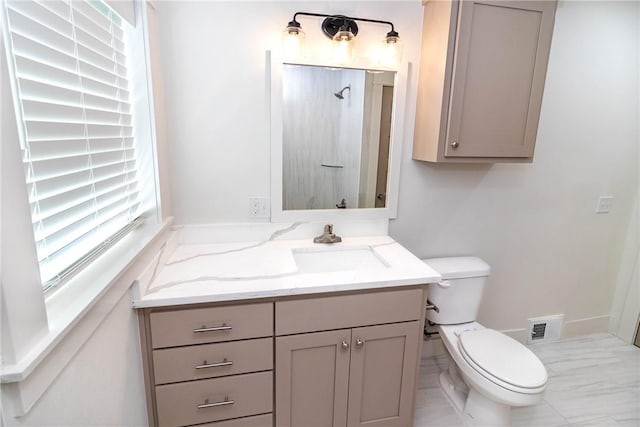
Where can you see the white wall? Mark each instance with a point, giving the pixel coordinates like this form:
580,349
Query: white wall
625,312
533,223
102,385
216,86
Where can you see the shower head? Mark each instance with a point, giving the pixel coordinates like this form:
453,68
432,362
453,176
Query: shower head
340,95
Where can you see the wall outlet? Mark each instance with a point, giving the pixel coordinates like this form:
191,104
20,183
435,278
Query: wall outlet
547,328
258,207
604,204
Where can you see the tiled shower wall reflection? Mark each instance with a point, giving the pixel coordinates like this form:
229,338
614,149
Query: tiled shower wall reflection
322,136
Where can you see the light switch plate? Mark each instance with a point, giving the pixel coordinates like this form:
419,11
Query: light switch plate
604,204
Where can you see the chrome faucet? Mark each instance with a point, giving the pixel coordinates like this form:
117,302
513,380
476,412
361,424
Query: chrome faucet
327,236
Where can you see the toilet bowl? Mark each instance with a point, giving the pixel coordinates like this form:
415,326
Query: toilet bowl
498,371
489,372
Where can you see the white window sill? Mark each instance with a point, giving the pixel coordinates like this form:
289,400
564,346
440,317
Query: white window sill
76,310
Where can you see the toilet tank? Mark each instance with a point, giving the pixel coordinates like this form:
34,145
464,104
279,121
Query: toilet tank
459,293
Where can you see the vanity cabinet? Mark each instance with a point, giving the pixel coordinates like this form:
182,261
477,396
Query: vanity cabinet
481,80
312,379
347,359
349,377
354,376
209,365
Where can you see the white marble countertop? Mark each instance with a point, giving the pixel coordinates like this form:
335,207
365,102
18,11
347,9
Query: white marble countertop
198,273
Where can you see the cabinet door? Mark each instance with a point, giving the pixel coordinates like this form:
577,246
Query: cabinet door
383,374
501,56
312,378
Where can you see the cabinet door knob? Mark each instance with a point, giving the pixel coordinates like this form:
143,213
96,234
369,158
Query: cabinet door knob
359,343
455,144
345,345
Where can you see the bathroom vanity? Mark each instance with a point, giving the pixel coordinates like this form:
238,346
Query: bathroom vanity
285,333
288,332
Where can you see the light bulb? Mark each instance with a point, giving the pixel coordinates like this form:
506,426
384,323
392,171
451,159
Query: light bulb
343,43
293,43
391,51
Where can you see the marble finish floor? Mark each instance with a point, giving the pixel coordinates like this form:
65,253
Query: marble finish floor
593,381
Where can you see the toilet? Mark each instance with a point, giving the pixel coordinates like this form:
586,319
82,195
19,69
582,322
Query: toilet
489,372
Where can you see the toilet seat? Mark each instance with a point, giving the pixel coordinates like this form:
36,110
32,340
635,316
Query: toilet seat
502,360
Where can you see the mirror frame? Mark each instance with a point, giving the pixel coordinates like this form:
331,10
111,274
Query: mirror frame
274,71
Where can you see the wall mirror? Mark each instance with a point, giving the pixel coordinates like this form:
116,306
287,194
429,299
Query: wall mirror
335,142
336,130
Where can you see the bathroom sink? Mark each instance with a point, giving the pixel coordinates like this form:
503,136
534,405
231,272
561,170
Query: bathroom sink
338,258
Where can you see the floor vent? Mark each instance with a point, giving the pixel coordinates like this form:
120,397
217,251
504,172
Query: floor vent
545,329
537,331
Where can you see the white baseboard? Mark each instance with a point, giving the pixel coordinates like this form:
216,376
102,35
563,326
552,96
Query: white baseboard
570,328
586,326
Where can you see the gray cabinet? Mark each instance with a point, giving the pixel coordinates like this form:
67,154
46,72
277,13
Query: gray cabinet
382,375
209,364
312,379
345,359
482,74
348,360
350,377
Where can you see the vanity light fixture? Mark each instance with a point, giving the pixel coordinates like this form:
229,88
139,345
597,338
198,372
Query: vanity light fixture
391,50
293,41
342,30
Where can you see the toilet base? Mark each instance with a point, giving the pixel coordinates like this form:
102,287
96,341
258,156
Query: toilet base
454,395
484,411
473,407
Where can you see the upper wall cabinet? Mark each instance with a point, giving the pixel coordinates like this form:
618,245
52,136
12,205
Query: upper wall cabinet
482,75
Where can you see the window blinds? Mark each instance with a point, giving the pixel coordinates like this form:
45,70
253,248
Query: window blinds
70,74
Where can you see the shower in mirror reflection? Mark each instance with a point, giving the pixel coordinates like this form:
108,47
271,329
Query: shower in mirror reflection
340,93
335,144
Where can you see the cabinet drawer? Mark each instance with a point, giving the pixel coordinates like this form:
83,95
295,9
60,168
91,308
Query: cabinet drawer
178,404
212,360
265,420
347,311
213,324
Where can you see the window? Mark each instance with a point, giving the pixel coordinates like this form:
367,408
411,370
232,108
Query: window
72,95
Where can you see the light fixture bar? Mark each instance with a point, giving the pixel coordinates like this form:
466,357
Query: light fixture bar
342,30
344,18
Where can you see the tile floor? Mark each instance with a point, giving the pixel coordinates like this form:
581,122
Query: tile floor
593,381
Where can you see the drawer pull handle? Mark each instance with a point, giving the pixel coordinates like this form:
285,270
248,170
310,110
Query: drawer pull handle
225,402
206,365
203,328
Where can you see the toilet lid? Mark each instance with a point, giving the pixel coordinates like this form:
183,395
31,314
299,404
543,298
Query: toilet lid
503,358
